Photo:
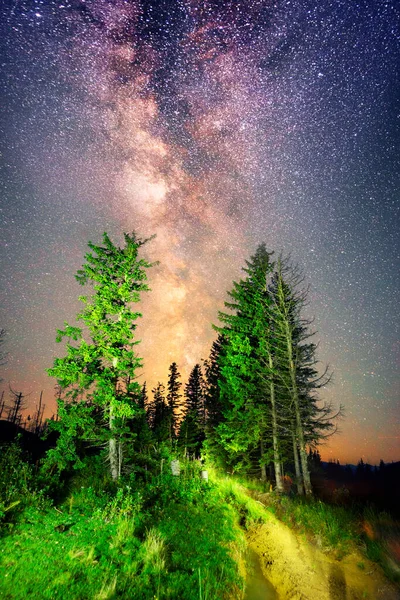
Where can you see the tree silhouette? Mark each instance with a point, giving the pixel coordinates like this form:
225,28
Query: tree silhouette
173,398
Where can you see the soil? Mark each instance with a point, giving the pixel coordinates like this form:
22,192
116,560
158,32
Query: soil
300,571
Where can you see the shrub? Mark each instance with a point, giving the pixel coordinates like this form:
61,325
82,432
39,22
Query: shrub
18,487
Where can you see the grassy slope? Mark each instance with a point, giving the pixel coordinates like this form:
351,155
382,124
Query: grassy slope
165,538
169,538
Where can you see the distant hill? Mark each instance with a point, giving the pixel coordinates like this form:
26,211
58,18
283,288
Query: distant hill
364,483
30,442
348,466
325,464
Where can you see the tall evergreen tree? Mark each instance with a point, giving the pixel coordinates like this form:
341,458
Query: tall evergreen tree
160,414
214,405
195,394
173,398
97,373
247,384
143,397
267,374
191,434
295,364
138,426
213,376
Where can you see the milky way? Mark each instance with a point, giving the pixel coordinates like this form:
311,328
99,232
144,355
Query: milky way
215,125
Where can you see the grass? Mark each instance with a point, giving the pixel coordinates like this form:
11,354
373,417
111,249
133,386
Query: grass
333,528
338,529
166,538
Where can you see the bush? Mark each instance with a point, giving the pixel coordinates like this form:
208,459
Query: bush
170,538
18,483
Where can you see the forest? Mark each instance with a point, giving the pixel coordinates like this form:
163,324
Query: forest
130,492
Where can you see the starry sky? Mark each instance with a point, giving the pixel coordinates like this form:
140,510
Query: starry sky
217,125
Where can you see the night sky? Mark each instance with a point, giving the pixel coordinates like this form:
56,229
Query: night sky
217,125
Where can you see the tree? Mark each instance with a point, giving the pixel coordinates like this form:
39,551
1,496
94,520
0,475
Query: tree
2,404
295,362
97,374
3,355
212,394
159,414
191,434
36,425
247,382
15,408
173,398
268,378
138,428
194,394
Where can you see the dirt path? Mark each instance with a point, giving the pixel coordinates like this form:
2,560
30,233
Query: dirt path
299,571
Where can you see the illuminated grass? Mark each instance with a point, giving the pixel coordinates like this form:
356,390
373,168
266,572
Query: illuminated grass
170,538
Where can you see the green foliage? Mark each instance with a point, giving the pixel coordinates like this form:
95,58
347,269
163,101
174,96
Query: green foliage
172,537
333,528
97,373
162,536
248,510
242,360
173,398
380,536
18,483
160,414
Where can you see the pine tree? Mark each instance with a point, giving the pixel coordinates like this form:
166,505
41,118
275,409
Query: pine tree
267,373
212,394
194,394
173,398
295,362
143,397
191,434
247,383
138,426
160,414
97,373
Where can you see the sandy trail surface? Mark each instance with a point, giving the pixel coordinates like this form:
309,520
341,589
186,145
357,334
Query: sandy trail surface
300,571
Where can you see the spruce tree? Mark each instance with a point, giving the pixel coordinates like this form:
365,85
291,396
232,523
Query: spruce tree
247,382
194,394
138,426
191,434
212,394
295,361
160,414
97,373
173,398
267,375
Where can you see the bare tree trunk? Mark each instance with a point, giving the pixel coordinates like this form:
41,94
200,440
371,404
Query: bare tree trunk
38,423
277,459
15,409
263,467
2,404
120,457
304,464
299,483
299,425
113,450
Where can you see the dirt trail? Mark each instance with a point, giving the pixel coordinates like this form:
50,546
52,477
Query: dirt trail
300,571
